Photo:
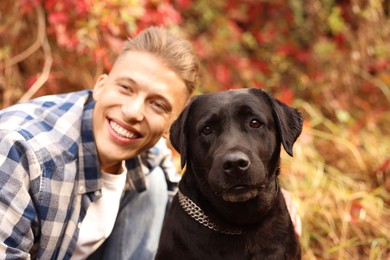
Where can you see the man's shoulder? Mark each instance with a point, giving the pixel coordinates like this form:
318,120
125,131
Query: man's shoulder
62,102
49,124
43,113
62,97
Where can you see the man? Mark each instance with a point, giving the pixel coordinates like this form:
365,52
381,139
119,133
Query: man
76,167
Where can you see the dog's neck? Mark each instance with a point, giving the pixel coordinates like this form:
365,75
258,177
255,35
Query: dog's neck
195,212
196,208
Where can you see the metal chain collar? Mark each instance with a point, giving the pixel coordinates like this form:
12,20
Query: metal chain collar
195,212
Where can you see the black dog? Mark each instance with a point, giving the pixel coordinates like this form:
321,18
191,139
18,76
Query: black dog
229,204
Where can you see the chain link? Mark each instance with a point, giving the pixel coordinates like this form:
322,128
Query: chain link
195,212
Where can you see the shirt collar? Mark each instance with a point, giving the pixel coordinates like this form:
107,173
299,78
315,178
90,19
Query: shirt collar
89,168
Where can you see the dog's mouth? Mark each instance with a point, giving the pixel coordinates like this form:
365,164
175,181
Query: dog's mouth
239,193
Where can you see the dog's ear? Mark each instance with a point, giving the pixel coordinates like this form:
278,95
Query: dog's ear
289,122
178,133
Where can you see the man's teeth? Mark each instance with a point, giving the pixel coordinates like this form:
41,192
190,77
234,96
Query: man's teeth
121,131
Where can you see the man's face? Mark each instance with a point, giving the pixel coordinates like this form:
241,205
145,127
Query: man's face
135,105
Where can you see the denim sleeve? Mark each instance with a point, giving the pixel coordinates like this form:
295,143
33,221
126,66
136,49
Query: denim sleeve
17,211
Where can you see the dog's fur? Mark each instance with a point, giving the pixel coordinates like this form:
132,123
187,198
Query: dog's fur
230,142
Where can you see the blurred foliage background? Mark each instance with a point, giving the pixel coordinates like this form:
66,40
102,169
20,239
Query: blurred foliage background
328,58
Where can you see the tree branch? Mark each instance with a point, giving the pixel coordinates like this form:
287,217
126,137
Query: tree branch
48,59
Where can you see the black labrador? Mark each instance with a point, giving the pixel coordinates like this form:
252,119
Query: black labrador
229,204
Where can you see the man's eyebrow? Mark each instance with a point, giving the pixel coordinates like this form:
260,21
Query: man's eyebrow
127,79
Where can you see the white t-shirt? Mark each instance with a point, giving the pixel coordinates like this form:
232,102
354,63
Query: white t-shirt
100,218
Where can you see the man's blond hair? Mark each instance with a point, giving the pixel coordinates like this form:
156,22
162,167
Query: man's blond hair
175,52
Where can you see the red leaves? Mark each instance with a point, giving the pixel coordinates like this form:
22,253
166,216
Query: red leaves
266,36
184,4
379,65
286,95
101,56
240,43
159,13
222,74
59,17
357,212
29,5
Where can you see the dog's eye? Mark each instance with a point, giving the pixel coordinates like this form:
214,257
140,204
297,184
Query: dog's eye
255,123
207,130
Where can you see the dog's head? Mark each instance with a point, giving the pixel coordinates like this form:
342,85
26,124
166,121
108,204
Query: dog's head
230,141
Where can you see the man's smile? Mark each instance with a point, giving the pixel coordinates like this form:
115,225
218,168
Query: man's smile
122,132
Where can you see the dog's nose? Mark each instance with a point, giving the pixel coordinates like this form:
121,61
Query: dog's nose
237,161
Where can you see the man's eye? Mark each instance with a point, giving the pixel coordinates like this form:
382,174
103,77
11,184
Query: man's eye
255,123
125,87
207,130
160,106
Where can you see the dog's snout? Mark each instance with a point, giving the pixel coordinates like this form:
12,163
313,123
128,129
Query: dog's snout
237,161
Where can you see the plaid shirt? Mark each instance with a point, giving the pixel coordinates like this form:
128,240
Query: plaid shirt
49,174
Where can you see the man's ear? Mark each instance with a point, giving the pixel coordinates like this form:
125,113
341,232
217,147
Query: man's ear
100,83
166,135
167,132
178,133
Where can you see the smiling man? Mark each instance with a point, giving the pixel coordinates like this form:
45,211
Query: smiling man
135,106
85,174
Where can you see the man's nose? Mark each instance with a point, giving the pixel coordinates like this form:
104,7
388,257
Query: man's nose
133,110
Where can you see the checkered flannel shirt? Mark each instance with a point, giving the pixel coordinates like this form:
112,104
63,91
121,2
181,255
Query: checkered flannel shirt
49,174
